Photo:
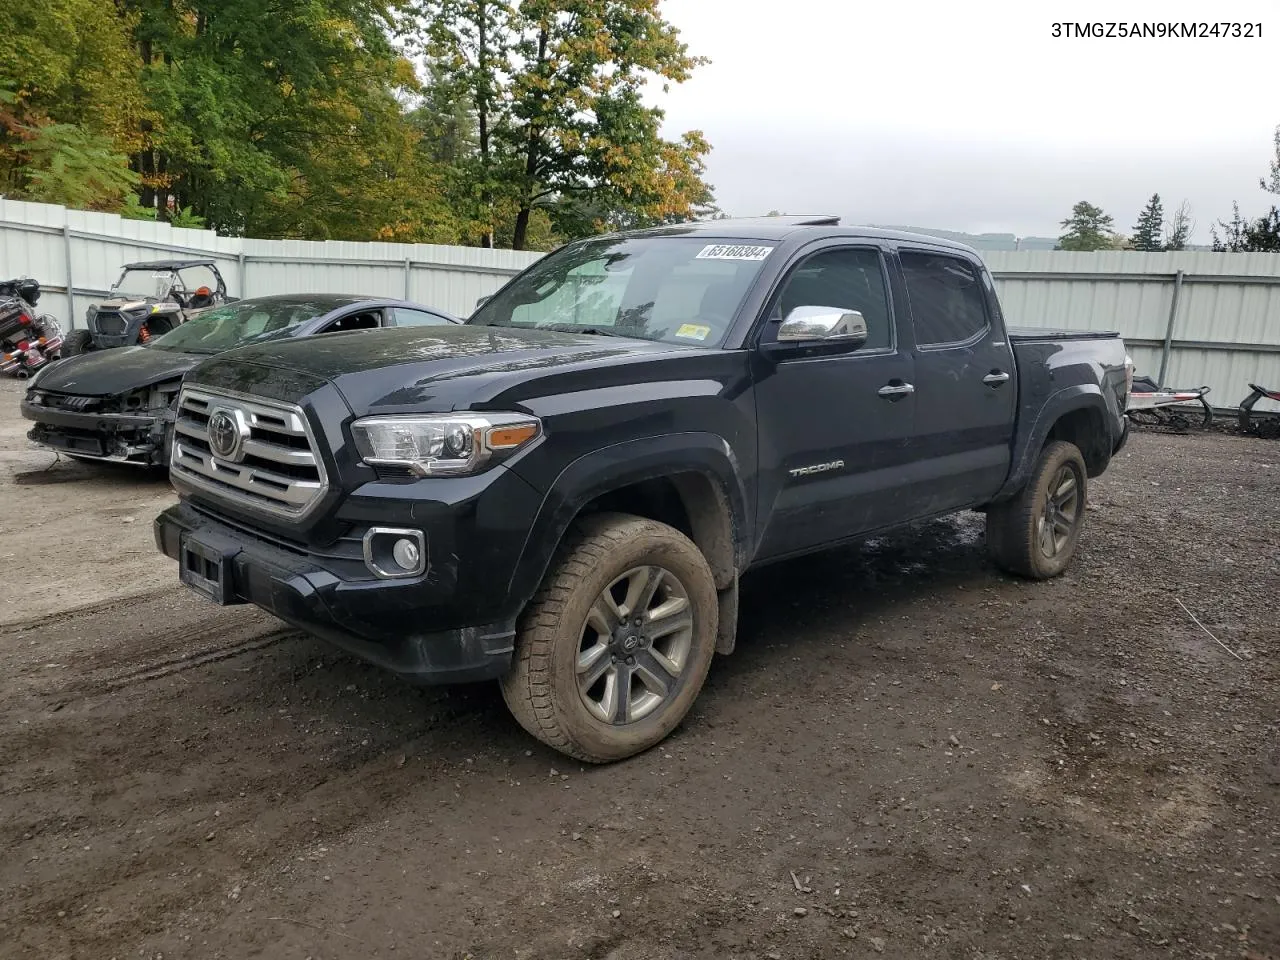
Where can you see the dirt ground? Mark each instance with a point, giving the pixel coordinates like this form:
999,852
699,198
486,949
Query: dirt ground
86,528
909,755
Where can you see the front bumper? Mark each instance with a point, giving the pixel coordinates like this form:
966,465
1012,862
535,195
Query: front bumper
386,622
126,438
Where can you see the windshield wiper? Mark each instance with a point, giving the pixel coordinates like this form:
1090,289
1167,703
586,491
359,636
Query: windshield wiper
589,331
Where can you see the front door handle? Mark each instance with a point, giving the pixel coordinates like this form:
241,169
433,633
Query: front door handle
894,391
995,378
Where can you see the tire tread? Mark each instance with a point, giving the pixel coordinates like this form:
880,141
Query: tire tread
527,686
1009,524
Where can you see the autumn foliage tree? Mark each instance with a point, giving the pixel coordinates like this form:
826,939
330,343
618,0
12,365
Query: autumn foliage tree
499,122
562,128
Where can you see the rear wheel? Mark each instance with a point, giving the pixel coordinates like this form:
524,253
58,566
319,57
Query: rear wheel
77,342
1035,534
615,647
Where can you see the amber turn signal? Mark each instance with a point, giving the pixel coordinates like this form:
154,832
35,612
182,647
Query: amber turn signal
506,438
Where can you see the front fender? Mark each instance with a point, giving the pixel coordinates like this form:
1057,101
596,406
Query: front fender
610,468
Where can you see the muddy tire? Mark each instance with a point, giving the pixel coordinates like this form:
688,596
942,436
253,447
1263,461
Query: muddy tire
614,648
77,342
1035,534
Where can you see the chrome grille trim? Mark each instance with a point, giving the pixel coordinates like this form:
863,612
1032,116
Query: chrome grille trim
279,471
255,448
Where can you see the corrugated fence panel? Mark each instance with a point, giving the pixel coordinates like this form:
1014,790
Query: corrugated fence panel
1224,300
1226,329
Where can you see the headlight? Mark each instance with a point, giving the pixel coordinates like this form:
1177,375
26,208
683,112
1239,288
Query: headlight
448,445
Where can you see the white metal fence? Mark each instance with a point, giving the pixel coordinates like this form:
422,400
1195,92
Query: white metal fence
83,251
1191,319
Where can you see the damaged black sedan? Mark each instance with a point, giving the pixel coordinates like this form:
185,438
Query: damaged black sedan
117,405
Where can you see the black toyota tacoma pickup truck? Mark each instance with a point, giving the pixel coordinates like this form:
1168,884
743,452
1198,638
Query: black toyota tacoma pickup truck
563,492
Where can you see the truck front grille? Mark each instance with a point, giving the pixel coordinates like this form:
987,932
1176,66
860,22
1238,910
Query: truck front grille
250,452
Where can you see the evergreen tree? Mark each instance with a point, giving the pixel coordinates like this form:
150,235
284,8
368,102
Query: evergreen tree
1088,228
1148,231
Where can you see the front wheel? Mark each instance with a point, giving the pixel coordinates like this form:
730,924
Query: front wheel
77,342
614,648
1035,534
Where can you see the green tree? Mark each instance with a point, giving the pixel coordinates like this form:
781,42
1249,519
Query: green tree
281,119
70,102
1180,228
1271,183
68,164
1088,228
1148,232
468,46
1241,235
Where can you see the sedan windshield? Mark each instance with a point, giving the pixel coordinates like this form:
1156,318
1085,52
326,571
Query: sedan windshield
234,324
675,289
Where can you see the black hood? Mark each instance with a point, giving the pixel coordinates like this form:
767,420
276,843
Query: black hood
109,372
425,368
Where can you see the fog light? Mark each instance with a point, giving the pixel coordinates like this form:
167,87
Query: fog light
406,553
392,552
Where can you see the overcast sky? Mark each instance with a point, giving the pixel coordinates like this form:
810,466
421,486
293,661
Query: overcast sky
971,115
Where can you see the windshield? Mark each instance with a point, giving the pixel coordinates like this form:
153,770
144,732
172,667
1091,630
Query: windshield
231,325
142,285
675,289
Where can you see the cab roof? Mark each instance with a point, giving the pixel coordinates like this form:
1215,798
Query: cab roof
787,227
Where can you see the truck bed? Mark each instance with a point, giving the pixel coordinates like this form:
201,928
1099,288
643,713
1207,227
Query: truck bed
1022,334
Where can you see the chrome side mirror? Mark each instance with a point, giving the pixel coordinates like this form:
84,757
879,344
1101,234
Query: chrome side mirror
823,324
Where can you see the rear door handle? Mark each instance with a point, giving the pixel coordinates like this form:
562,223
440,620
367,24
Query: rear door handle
995,378
896,391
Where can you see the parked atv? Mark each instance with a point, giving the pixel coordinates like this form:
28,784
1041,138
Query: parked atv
1258,423
149,300
28,340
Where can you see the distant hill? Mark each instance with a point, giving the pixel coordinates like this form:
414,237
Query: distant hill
995,241
981,241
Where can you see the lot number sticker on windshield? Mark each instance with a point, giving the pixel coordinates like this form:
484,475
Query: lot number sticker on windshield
732,251
693,331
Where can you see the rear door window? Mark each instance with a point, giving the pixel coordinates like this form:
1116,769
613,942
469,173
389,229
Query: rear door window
947,301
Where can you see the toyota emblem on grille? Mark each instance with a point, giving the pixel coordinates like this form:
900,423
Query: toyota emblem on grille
227,432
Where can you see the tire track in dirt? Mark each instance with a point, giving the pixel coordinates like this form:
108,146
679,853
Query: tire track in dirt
197,659
83,611
170,732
